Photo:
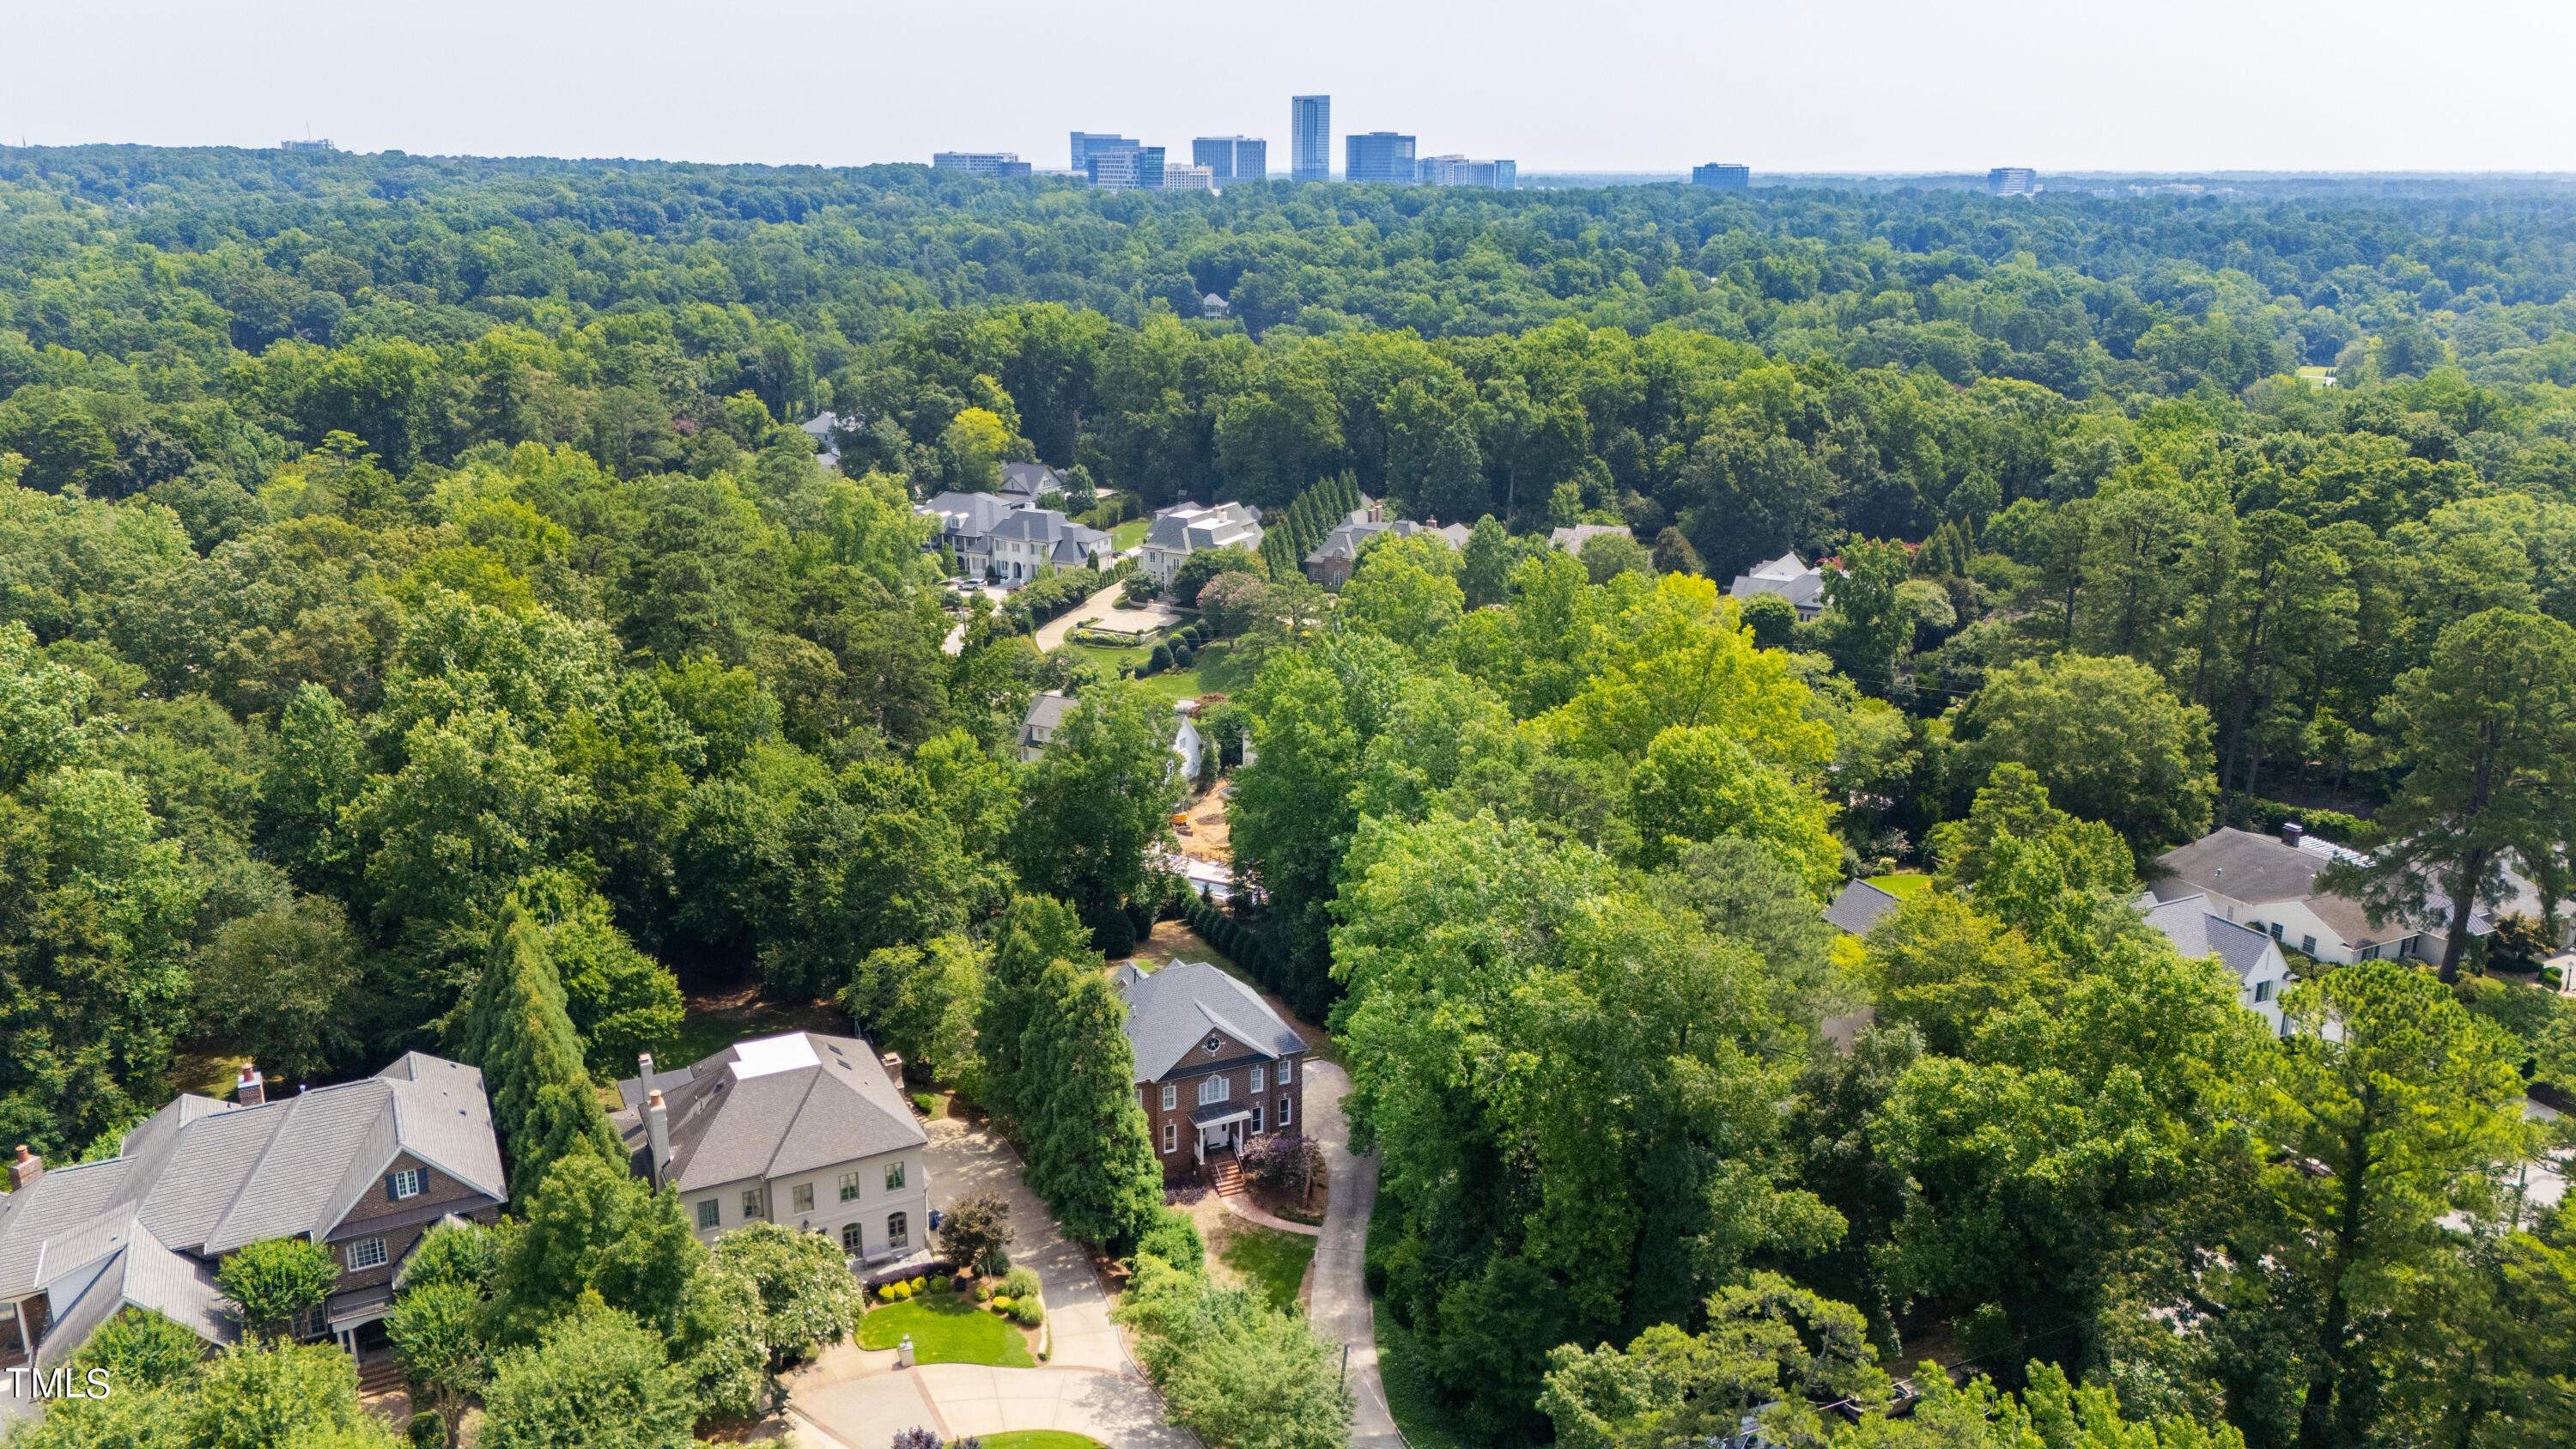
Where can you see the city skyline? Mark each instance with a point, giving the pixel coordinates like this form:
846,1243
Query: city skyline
443,89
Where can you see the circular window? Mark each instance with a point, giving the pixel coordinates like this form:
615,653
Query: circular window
1213,1043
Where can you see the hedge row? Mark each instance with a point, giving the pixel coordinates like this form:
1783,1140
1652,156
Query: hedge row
2267,816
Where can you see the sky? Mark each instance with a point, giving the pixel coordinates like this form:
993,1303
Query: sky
1867,86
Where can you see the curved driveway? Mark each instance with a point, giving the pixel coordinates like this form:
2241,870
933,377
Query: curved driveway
1340,1305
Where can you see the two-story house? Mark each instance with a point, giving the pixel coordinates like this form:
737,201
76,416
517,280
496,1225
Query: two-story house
364,1168
1032,538
805,1130
1047,713
1788,576
2270,884
1215,1067
2250,955
966,524
1179,532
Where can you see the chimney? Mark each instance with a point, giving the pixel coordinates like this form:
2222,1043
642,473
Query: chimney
893,1064
644,1064
24,1172
657,1131
2292,832
248,1089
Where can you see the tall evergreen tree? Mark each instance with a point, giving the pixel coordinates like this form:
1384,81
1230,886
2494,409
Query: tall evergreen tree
1091,1158
516,1030
1037,931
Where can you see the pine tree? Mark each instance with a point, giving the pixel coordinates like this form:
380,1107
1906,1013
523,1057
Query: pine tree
1091,1158
1037,931
543,1102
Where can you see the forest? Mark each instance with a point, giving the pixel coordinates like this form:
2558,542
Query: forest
419,594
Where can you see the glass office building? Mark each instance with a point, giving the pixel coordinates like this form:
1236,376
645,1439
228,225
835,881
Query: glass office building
1310,138
1379,156
1232,158
1722,176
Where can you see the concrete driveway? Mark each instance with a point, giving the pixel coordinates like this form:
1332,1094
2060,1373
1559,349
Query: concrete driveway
1340,1308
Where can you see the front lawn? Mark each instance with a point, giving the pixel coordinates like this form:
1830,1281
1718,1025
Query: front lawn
947,1330
1129,534
1270,1262
1904,887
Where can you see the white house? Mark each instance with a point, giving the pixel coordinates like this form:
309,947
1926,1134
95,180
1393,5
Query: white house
1790,578
805,1130
2251,955
2270,884
1179,532
1029,539
1048,712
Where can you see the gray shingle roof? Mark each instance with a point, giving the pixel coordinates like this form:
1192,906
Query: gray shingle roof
1171,1011
2263,869
1573,539
1859,907
1788,576
1028,480
772,1107
2195,932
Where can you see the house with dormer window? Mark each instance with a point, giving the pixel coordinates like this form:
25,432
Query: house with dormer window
1215,1067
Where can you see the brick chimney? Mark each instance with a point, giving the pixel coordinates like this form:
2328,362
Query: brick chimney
24,1172
657,1131
248,1089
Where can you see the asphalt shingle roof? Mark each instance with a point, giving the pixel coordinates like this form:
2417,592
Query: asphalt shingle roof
772,1107
2195,932
1859,907
1171,1011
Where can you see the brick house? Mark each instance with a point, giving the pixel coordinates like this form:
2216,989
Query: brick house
1215,1067
363,1168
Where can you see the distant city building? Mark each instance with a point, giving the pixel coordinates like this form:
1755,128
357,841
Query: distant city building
1380,156
1448,170
1189,178
1722,176
1126,168
2012,181
1310,138
980,163
1461,171
1232,158
322,145
1500,175
1087,142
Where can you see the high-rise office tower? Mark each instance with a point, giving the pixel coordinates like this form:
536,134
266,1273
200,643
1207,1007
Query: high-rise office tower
1310,138
2012,181
1086,142
1232,158
1380,156
1722,176
1125,168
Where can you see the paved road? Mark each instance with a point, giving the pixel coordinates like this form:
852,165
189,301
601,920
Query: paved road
1341,1302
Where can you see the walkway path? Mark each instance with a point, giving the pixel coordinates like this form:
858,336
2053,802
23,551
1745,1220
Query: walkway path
1340,1302
1241,1206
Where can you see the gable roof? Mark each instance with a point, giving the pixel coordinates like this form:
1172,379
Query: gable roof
1573,539
2196,932
1028,480
773,1107
1171,1011
200,1178
1189,528
970,514
1788,576
2263,870
1860,906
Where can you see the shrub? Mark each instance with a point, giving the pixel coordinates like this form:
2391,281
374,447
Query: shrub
426,1431
918,1284
1160,660
1001,1303
994,1263
927,1103
1183,656
917,1437
1023,1283
939,1283
1028,1313
1175,1239
895,1292
983,1292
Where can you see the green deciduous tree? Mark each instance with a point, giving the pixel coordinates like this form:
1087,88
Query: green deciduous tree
807,1296
590,1228
1101,794
2106,737
274,1285
597,1379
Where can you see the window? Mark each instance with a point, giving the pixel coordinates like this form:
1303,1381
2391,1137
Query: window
1171,1136
2308,944
1256,1120
1214,1044
850,1238
366,1253
1287,1069
755,1204
1171,1096
898,1231
1283,1114
894,1177
849,1187
2262,991
803,1196
1214,1089
410,1182
2275,928
1256,1079
710,1213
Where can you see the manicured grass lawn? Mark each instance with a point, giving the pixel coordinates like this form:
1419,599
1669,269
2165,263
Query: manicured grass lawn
1122,538
1175,684
1903,887
1040,1439
1273,1262
946,1331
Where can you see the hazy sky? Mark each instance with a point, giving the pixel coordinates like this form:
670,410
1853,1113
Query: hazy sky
1606,84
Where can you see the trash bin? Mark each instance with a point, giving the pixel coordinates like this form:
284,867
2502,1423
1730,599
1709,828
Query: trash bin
903,1352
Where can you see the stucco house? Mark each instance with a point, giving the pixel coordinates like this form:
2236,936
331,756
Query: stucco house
1788,576
1215,1067
2269,883
1029,539
966,524
363,1168
1179,532
805,1130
